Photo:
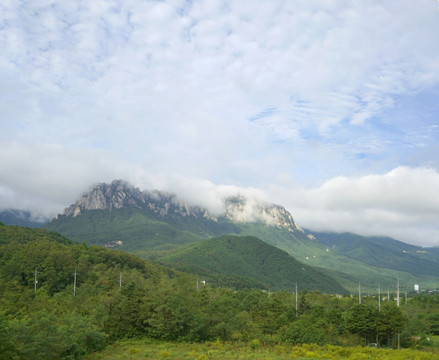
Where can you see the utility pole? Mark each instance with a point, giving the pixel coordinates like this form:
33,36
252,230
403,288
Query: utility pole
397,301
35,281
297,303
120,281
74,284
379,298
359,293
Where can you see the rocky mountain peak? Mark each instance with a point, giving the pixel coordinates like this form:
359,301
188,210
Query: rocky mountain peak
242,209
238,209
120,194
116,195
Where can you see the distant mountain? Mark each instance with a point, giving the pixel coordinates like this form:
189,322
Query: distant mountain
120,194
121,216
250,262
383,252
22,218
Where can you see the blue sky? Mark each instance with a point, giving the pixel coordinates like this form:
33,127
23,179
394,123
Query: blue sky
328,108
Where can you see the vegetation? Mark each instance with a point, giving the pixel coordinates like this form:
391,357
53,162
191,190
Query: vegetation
150,235
251,262
62,320
130,229
148,349
381,251
139,229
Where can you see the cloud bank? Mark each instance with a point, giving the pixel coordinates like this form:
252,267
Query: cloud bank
402,203
224,95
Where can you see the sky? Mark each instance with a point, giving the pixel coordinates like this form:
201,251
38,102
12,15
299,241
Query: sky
329,108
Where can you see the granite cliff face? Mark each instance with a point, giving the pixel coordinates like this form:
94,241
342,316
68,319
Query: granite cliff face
241,210
237,209
117,195
120,194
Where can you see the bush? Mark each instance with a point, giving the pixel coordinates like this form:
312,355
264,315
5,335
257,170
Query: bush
46,336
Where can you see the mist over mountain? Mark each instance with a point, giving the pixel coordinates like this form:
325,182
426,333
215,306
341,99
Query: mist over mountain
153,224
238,209
24,218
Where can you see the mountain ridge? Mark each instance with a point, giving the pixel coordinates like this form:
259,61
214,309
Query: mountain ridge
122,216
120,194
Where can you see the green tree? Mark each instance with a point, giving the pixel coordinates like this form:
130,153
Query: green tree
362,321
303,304
7,347
271,314
389,322
46,336
127,313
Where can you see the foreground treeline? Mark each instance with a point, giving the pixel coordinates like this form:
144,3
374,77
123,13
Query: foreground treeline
45,315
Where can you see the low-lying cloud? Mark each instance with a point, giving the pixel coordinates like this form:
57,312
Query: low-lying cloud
402,203
210,98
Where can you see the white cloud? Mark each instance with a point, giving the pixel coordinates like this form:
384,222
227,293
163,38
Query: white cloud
47,177
96,90
341,61
403,203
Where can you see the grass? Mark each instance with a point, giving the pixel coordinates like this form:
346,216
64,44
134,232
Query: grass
150,349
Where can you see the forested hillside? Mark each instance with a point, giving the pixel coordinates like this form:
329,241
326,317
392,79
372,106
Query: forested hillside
120,216
383,252
230,259
133,229
119,296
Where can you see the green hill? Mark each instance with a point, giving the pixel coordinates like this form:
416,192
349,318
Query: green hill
24,250
133,229
149,235
383,252
154,302
150,223
250,258
46,314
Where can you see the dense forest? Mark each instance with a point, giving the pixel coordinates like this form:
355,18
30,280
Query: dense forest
62,300
247,262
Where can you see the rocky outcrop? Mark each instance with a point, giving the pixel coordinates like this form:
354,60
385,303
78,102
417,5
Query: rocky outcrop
241,209
120,194
116,195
